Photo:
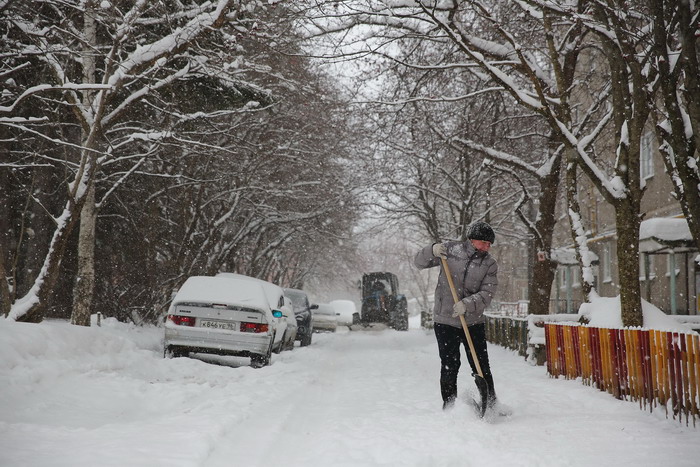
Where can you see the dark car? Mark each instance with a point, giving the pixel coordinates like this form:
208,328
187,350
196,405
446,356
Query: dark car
302,311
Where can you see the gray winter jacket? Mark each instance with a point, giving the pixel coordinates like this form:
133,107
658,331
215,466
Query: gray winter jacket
474,274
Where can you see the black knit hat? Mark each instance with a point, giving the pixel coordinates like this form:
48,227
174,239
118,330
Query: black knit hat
481,231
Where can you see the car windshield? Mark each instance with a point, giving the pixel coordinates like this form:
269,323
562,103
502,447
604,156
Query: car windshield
299,300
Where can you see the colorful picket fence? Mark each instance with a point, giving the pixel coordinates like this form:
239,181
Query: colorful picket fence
655,368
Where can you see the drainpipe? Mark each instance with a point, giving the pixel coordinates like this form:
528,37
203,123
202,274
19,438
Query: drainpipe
569,290
558,287
672,267
646,276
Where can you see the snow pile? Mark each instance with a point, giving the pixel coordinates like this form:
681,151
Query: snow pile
605,312
59,343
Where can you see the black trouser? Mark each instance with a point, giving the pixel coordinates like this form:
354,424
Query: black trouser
448,339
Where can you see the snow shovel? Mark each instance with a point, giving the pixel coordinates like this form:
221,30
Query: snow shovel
479,377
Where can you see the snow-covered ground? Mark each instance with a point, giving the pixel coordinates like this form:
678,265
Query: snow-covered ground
74,396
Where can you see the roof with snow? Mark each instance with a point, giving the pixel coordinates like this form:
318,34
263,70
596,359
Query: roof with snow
662,234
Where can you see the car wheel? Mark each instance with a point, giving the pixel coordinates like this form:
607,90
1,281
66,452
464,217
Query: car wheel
259,361
290,344
306,339
174,352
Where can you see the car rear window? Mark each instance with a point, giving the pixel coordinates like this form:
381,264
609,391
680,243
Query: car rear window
299,300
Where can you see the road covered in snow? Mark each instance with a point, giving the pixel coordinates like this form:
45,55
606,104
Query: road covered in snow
105,396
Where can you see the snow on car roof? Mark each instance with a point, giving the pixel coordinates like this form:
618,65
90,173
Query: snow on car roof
227,291
272,291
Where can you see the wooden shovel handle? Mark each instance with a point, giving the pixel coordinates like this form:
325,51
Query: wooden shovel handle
455,297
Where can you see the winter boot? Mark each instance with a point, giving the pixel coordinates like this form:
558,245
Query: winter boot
448,388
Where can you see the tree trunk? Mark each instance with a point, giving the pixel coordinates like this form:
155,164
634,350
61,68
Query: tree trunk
5,302
85,279
5,298
576,224
544,269
32,307
628,264
540,288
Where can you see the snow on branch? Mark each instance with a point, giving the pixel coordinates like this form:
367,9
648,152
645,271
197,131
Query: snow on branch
136,95
470,44
502,157
149,53
41,88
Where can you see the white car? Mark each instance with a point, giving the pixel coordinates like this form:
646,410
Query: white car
286,325
221,316
324,318
345,309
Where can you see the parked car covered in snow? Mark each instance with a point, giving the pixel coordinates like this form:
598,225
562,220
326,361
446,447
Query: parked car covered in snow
221,316
303,313
346,309
324,318
285,325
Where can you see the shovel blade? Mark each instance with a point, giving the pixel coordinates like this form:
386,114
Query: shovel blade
483,395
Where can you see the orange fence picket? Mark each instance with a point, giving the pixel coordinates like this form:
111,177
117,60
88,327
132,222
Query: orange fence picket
653,368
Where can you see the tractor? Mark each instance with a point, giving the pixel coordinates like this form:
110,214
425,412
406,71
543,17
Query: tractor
381,301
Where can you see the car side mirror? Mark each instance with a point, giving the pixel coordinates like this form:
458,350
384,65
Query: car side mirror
276,313
313,307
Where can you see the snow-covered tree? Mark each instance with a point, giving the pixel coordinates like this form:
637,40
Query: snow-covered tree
675,54
96,88
466,40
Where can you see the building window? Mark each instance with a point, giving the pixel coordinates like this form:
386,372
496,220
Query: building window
607,263
561,277
596,275
645,260
646,159
576,273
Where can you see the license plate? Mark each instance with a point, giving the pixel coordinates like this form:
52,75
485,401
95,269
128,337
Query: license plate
231,326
